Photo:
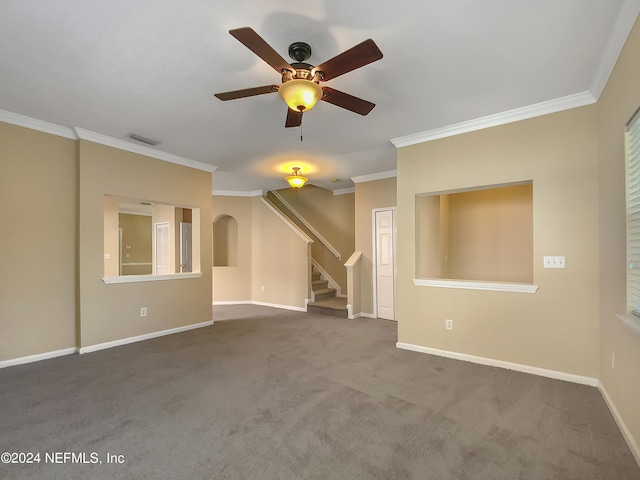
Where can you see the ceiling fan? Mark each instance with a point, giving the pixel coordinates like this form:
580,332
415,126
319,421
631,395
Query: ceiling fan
300,87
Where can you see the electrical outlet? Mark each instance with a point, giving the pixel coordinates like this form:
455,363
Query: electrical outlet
448,324
262,288
143,312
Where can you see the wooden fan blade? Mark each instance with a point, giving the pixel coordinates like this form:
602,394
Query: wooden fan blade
362,54
254,42
347,101
294,118
247,92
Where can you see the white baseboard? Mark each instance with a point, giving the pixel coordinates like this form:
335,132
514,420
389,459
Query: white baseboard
360,315
633,446
233,302
36,358
139,338
543,372
285,307
265,304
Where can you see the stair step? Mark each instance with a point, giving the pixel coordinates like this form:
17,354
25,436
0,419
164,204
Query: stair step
324,293
335,306
318,284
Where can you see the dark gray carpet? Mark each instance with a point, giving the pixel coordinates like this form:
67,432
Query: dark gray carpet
283,395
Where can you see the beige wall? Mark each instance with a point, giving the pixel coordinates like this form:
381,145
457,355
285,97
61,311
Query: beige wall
555,328
38,193
490,235
333,216
281,260
225,241
484,235
136,233
270,255
617,104
111,312
233,283
369,196
111,237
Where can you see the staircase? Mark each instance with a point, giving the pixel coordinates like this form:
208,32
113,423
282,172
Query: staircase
325,300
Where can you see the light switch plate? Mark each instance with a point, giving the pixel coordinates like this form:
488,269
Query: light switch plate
554,262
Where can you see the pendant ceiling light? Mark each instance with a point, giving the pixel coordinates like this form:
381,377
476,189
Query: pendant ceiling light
296,180
300,95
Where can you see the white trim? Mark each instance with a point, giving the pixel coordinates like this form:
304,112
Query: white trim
375,176
630,321
150,278
137,264
515,115
289,223
140,338
618,37
295,213
374,258
351,316
344,191
473,285
264,304
141,150
38,357
353,259
234,193
35,124
631,443
284,307
543,372
232,302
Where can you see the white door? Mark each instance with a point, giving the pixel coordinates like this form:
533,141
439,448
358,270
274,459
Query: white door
162,255
185,247
385,264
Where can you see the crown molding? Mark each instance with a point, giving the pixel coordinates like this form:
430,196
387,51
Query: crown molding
76,133
618,37
35,124
375,176
141,150
536,110
344,191
235,193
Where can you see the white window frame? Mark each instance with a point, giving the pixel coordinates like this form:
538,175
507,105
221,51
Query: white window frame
632,186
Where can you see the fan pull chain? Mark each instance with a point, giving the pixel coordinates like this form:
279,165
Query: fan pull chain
301,130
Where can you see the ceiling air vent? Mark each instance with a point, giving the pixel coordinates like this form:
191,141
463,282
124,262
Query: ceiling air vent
141,139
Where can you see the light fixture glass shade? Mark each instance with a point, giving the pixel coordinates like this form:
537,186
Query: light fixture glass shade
295,179
300,95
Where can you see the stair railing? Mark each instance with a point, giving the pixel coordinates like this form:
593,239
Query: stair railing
315,233
353,285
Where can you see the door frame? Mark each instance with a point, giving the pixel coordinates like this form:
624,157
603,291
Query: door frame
190,249
374,258
155,247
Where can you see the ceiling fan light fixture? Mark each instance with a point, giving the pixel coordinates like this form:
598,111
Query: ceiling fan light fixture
296,180
300,95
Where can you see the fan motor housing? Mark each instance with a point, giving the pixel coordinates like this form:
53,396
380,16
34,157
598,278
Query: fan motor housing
300,51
